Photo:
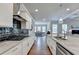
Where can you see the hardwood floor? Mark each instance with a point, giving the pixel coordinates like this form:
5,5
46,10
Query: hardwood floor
40,47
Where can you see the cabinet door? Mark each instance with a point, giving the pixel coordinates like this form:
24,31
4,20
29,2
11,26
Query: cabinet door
25,46
30,42
15,50
52,45
48,42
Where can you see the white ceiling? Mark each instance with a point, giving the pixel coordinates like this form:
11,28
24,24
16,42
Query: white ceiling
52,11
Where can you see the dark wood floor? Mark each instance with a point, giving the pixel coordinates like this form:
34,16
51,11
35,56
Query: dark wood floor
40,47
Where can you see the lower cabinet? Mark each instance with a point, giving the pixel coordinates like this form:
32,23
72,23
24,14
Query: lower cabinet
22,48
27,44
52,45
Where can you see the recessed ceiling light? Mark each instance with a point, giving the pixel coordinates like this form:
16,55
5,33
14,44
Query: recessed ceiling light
68,9
60,20
36,10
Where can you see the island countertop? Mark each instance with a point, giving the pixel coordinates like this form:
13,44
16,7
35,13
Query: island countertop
71,44
7,45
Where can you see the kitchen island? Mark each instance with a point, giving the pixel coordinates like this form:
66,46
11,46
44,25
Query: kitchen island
69,46
71,43
20,47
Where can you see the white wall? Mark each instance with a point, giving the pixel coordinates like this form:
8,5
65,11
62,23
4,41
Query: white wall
6,14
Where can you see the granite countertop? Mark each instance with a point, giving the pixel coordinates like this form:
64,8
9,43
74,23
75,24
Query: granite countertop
71,44
7,45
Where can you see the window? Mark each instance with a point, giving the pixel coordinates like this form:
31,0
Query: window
39,28
54,28
43,28
64,28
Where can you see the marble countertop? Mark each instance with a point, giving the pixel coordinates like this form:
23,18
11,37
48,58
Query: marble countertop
7,45
71,44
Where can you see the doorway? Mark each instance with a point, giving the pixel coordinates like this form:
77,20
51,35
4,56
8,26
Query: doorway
40,30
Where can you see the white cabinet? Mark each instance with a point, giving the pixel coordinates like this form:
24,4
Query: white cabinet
52,45
17,50
31,42
27,44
